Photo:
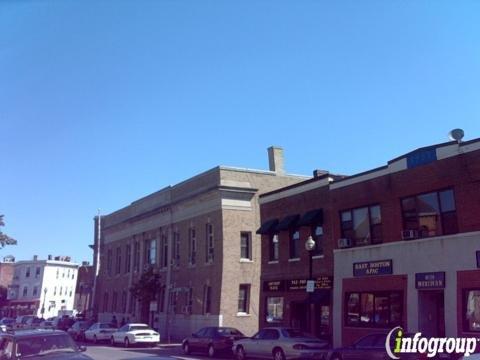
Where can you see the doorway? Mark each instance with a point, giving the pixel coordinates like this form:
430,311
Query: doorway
300,316
431,313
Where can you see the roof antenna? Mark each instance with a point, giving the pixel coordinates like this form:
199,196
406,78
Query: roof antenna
456,135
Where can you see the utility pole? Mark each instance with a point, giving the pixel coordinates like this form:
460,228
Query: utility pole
96,253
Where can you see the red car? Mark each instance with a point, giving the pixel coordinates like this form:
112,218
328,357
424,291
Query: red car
212,340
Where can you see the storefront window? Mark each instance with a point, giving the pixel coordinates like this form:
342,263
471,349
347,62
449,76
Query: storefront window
374,309
472,318
274,309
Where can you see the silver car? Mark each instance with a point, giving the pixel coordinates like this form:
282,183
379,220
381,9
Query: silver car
280,343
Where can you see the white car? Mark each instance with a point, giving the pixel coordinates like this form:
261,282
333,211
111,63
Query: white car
131,334
99,332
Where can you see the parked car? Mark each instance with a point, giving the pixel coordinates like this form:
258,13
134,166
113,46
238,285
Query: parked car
64,323
7,324
131,334
281,343
46,324
212,340
21,321
370,347
33,322
77,330
99,332
40,344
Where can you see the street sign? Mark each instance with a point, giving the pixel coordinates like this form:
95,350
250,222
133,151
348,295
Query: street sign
310,286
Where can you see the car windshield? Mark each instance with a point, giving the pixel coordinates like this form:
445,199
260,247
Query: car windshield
39,345
139,327
228,332
294,333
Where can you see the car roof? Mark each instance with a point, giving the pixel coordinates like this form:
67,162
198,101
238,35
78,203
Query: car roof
138,324
34,332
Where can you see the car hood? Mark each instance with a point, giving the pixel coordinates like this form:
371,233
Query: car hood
61,356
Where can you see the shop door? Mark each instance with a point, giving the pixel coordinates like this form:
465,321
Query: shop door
322,328
431,313
300,316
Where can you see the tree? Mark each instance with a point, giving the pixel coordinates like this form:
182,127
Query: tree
146,288
4,238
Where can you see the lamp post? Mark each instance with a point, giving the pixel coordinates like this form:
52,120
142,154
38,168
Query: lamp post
44,300
310,246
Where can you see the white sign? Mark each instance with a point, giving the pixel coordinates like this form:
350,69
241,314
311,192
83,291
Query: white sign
153,306
310,286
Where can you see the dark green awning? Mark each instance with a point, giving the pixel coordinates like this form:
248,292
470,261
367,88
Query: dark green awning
312,217
268,227
287,222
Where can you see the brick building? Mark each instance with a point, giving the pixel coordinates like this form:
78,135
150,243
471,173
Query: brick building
6,278
84,288
199,235
402,243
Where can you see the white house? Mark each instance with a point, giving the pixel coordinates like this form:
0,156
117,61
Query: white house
43,287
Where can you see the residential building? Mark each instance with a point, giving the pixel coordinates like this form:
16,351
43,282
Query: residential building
199,236
84,289
402,242
42,287
6,277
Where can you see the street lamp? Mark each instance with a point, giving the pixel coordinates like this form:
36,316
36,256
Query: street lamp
310,246
44,300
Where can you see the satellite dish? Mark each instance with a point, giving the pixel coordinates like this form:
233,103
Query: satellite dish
456,135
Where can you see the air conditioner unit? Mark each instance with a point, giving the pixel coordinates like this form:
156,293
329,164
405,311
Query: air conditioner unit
344,243
409,234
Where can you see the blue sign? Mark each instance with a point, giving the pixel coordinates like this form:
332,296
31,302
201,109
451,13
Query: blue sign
372,268
421,157
431,280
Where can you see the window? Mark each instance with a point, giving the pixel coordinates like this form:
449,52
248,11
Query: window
124,302
173,302
471,301
58,273
25,291
109,262
274,247
161,299
245,245
118,261
133,301
27,272
374,309
189,301
61,290
136,256
128,255
176,248
430,214
114,301
207,299
105,302
274,309
54,290
243,298
151,251
317,235
362,225
295,244
37,272
209,243
35,291
164,251
192,246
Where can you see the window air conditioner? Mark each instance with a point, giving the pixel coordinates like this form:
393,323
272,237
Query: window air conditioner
344,243
409,234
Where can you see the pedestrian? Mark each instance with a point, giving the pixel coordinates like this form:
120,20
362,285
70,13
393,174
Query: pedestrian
114,321
122,322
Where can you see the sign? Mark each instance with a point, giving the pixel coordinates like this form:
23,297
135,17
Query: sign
431,280
478,259
372,268
310,286
153,306
296,285
324,282
277,285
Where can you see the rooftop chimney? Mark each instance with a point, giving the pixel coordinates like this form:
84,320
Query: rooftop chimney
50,257
318,173
275,159
35,257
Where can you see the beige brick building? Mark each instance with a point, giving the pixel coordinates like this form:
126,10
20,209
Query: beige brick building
200,236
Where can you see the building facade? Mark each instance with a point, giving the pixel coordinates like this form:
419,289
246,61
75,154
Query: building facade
42,287
199,237
402,243
6,278
84,289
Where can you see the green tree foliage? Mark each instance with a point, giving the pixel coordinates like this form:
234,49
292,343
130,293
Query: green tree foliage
4,238
147,287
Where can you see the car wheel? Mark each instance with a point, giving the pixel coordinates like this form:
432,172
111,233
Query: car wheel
211,351
278,354
240,353
95,341
126,342
186,348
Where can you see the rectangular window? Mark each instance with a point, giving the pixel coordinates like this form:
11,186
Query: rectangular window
124,302
209,243
118,261
189,301
37,272
133,301
362,225
105,302
114,301
207,299
243,298
25,291
246,245
151,251
430,214
471,303
128,255
192,246
164,251
274,247
374,309
274,309
35,291
161,299
136,256
294,244
27,272
109,262
176,248
317,235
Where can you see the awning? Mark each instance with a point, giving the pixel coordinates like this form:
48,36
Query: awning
320,296
312,217
267,227
287,222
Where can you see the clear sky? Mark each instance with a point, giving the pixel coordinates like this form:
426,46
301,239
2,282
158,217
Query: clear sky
103,102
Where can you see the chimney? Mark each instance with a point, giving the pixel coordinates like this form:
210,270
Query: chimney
318,173
275,159
50,257
85,263
35,257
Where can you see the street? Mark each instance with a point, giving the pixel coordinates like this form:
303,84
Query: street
106,352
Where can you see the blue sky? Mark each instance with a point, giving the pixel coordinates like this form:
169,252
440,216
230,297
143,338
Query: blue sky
102,102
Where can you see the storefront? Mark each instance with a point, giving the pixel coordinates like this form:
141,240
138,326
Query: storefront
287,303
424,285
